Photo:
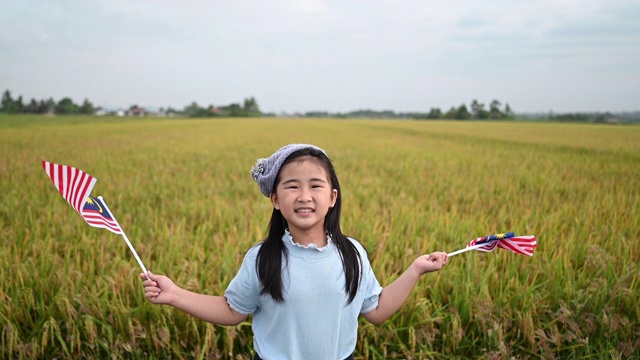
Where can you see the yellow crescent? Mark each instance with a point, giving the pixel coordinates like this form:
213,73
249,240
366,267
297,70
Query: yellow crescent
97,204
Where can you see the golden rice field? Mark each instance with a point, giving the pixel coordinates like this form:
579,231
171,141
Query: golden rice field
182,191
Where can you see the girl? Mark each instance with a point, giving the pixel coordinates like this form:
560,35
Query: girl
306,283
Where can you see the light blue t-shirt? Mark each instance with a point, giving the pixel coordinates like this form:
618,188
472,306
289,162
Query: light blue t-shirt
314,321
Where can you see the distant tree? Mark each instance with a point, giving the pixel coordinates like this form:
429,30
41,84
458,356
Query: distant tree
171,111
374,114
478,111
451,114
434,113
192,110
50,106
475,108
603,117
7,105
42,107
570,117
233,109
250,107
494,110
317,114
508,112
86,107
462,113
31,107
19,105
414,115
66,107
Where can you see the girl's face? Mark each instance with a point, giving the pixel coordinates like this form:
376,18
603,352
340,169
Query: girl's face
304,196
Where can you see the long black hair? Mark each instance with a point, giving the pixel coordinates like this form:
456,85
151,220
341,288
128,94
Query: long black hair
273,250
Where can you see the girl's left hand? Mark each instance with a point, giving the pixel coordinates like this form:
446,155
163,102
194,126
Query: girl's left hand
432,262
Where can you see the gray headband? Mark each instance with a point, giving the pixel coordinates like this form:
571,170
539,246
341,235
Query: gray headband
265,171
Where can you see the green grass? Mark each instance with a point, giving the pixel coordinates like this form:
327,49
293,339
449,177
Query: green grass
181,190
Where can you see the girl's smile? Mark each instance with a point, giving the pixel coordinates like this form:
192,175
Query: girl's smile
304,210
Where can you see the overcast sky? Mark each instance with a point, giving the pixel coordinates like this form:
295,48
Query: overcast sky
326,55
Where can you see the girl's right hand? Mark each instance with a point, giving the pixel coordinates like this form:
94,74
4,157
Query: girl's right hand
158,289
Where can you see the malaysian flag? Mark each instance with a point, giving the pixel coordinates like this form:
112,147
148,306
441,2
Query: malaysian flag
96,214
523,245
75,186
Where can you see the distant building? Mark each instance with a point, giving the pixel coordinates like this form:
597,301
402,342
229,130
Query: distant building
137,111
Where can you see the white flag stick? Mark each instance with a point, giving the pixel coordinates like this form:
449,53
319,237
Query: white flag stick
125,238
470,248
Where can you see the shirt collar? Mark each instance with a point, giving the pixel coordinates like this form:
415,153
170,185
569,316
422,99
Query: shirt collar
289,240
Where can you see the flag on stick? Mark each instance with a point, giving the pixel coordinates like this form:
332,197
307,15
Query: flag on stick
523,245
75,186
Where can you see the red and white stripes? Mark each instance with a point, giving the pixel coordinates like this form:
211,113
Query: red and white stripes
523,245
75,185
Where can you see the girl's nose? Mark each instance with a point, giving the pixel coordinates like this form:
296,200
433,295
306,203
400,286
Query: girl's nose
304,195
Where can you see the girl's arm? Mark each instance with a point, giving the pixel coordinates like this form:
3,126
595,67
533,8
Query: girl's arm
160,289
395,294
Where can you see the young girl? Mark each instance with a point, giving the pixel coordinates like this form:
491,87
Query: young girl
306,283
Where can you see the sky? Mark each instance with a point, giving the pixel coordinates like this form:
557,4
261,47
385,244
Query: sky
317,55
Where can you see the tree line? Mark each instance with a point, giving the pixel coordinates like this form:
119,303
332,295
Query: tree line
476,110
249,108
66,106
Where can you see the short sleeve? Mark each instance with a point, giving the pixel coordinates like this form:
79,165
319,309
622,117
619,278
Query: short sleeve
369,285
243,292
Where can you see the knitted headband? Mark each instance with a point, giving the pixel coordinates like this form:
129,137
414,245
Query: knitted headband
265,171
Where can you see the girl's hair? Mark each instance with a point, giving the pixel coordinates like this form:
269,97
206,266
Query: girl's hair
270,254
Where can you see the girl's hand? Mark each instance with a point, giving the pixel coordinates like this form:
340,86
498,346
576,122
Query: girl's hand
431,262
159,289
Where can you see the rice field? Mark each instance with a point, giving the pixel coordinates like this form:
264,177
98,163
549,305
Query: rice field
182,192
